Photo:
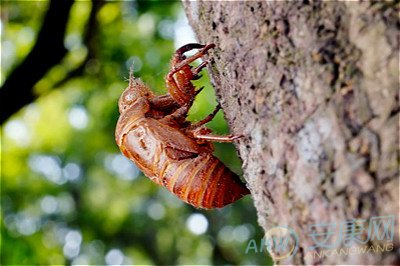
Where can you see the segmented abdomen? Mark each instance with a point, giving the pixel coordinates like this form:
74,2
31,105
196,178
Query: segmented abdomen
204,181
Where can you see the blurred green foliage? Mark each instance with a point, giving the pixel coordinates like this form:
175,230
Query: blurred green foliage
67,194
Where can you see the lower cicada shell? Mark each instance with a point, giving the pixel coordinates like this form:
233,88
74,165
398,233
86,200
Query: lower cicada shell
153,132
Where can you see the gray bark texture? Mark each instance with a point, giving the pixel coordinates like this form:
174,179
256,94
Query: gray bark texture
314,89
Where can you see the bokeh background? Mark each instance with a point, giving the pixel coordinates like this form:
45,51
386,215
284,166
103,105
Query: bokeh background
67,194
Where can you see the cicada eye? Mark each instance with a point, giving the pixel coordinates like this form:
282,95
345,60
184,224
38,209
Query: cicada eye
128,98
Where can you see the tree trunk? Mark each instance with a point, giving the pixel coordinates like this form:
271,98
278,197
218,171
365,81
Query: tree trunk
314,89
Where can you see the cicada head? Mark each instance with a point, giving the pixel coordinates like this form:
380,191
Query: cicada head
136,90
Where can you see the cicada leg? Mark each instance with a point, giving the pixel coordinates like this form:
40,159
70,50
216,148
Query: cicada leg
164,102
178,117
207,119
201,133
197,70
216,138
180,64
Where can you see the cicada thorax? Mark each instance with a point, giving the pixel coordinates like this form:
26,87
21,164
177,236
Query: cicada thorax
203,181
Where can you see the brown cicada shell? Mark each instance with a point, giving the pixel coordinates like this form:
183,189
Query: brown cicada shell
153,132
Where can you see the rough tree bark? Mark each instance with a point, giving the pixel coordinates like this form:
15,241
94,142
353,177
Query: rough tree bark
314,88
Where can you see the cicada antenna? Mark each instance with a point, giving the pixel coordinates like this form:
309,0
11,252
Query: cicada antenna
131,77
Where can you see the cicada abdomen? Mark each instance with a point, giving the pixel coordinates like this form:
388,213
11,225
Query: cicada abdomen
204,181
